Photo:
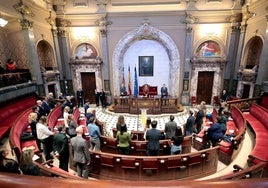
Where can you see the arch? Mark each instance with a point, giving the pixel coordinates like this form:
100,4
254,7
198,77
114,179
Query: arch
253,51
146,31
46,55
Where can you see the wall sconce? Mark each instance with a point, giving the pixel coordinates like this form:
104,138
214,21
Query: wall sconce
3,22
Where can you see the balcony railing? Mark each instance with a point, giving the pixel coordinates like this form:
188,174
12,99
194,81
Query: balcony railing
9,79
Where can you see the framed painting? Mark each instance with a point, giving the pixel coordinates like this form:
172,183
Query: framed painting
146,65
208,49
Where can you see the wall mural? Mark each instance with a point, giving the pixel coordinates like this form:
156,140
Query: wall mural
208,49
85,51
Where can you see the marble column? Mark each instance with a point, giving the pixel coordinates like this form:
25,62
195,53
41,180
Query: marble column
103,23
32,56
232,55
63,46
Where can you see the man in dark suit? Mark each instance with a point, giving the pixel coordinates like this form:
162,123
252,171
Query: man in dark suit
80,97
61,147
170,127
153,136
164,94
81,155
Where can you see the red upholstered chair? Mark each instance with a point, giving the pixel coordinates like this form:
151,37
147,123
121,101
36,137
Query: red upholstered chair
193,100
216,101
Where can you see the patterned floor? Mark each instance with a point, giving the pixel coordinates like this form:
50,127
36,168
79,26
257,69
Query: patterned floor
134,122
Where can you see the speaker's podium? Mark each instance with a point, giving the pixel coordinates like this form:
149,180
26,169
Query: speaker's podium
147,90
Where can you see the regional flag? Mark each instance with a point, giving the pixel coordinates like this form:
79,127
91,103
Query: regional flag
129,82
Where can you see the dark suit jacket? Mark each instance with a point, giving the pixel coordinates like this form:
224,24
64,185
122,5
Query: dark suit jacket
80,150
153,136
60,144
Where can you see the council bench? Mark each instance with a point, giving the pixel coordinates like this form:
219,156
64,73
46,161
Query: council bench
236,126
11,110
257,119
18,127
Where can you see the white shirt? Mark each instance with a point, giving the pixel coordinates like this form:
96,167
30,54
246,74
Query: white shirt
42,131
65,117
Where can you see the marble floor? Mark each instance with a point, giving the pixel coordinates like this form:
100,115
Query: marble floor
134,122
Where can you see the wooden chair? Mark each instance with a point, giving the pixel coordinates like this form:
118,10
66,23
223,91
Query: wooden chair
107,160
129,165
150,165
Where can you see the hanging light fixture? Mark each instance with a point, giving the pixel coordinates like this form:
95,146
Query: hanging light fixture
3,22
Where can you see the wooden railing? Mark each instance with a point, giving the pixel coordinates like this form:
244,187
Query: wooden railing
168,167
9,79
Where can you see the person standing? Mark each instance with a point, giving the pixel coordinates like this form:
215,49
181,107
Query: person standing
97,97
81,155
94,132
153,136
164,94
123,138
103,98
80,97
61,147
200,117
170,127
46,137
32,120
189,127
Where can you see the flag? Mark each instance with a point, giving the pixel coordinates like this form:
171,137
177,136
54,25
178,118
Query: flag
129,82
136,90
123,80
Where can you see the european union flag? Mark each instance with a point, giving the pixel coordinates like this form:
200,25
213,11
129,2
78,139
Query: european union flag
136,89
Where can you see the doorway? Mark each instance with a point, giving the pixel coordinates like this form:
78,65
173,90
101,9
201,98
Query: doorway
88,85
204,86
246,90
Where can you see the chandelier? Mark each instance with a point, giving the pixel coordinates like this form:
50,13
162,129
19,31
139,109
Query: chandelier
3,22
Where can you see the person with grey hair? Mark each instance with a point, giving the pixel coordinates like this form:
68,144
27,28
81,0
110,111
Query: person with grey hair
81,155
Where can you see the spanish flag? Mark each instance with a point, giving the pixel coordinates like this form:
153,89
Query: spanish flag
129,82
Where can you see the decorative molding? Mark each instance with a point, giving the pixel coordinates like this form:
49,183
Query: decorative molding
146,31
216,65
234,18
103,22
189,19
24,10
25,24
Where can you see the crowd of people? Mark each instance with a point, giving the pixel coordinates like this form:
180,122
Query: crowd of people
68,143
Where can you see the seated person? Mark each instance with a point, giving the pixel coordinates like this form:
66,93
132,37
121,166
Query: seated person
215,132
123,91
146,90
10,66
7,164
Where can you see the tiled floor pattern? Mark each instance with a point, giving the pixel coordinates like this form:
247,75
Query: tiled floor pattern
134,121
